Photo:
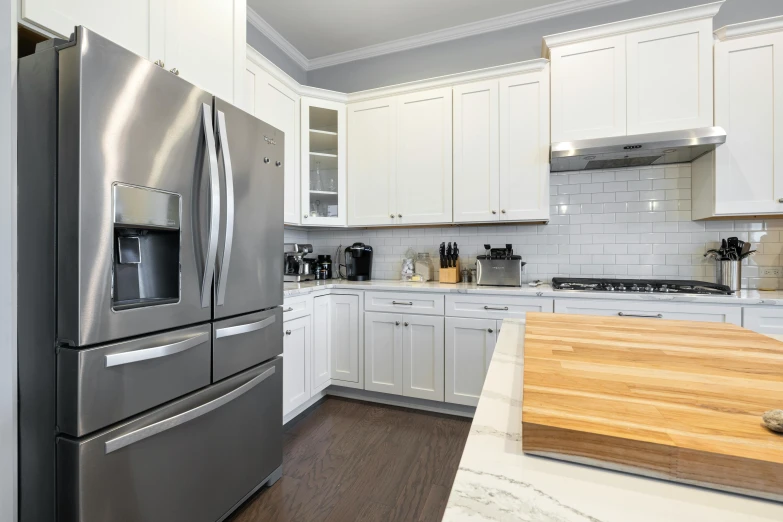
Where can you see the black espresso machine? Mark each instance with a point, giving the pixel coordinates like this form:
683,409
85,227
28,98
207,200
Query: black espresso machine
358,262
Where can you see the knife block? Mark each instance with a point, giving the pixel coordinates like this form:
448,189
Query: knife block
450,275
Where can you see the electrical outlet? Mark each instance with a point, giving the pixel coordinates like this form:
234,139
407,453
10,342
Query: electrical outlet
771,272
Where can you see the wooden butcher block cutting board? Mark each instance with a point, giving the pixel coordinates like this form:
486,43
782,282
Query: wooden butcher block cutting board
678,400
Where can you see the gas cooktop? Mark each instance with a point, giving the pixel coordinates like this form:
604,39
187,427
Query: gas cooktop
584,284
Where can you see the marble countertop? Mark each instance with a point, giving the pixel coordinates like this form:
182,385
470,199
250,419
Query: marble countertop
744,297
496,481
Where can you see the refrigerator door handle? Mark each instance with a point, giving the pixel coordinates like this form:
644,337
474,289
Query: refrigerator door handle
118,359
177,420
214,207
226,259
243,328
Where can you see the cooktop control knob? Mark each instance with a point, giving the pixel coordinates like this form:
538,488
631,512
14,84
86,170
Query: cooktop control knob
621,287
648,288
635,288
609,287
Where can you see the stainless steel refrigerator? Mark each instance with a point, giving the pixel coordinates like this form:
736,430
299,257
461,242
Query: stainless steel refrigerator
150,227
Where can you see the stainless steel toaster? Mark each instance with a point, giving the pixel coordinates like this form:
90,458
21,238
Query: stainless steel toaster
499,267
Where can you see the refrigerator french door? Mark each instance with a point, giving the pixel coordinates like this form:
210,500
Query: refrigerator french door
151,218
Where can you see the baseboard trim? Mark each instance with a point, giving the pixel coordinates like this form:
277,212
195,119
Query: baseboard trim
296,412
403,402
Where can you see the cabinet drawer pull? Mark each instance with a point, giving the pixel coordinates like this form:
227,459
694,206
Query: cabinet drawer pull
177,420
118,359
501,308
243,328
404,303
651,316
289,309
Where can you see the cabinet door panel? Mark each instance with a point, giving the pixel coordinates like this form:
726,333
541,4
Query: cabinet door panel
296,363
476,155
344,338
422,347
372,162
383,352
322,342
424,175
274,103
524,147
749,107
205,41
707,313
588,90
124,23
681,97
469,347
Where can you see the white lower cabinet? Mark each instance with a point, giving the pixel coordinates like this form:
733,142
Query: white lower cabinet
711,313
345,338
469,347
383,352
765,320
322,337
422,357
296,363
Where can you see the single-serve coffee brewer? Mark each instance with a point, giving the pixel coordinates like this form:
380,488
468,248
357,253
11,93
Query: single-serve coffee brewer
297,267
358,262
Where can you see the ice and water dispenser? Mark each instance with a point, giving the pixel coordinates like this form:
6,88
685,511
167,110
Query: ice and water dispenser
146,247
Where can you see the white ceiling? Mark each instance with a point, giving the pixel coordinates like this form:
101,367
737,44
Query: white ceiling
318,28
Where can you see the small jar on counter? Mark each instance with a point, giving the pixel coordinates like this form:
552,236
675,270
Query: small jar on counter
424,266
323,269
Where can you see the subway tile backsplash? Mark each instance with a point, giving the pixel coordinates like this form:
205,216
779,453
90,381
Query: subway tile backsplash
633,223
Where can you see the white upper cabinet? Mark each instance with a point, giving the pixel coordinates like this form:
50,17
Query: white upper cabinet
273,102
125,23
524,147
670,78
649,74
424,175
588,90
476,152
202,40
323,125
372,158
744,176
205,41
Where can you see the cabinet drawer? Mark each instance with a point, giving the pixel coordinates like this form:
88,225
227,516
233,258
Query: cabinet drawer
241,342
193,459
296,307
97,387
711,313
406,303
766,320
491,307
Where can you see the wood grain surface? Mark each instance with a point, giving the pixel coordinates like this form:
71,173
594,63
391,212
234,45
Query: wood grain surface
678,400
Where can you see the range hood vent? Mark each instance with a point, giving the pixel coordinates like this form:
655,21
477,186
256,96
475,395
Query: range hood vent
641,150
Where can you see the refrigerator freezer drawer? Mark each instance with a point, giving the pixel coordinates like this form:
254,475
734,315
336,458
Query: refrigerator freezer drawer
97,387
242,342
193,459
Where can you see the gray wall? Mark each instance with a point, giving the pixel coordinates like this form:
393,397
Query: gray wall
266,47
509,45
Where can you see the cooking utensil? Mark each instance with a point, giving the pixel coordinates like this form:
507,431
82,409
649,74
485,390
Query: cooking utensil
745,249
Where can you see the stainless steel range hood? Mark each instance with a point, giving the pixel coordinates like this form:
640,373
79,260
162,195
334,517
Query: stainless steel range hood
640,150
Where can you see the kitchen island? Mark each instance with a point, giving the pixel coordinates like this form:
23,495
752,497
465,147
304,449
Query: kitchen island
496,481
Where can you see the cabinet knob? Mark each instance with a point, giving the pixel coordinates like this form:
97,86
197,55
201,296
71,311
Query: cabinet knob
174,71
305,216
503,211
399,215
494,211
489,330
288,332
396,323
406,324
278,163
159,63
780,200
391,216
266,160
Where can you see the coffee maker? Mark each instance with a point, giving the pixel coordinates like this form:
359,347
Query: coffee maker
297,267
358,262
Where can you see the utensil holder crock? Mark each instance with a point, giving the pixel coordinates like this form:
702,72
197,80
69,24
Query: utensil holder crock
729,272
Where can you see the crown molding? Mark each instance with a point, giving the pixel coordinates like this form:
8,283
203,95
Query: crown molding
489,73
278,39
753,28
688,14
562,8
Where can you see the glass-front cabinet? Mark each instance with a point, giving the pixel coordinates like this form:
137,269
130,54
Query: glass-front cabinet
323,162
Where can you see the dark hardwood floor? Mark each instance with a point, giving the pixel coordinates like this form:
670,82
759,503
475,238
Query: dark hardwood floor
348,461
